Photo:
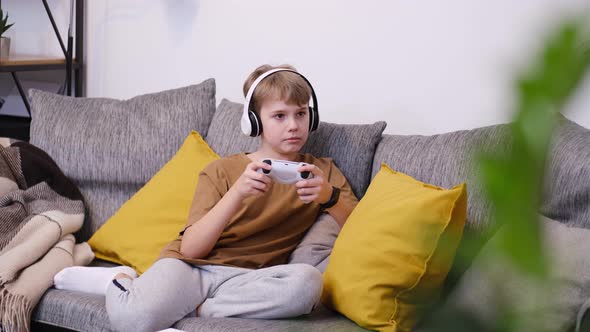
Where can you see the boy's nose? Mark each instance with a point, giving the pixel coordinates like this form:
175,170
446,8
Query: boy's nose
293,124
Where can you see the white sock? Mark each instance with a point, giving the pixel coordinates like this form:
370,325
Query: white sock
89,279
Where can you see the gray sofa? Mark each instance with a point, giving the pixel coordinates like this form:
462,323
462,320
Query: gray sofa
111,148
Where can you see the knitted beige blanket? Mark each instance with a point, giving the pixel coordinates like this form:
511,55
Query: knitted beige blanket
40,208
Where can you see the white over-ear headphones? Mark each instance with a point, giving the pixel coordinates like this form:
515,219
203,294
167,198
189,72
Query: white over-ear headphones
251,124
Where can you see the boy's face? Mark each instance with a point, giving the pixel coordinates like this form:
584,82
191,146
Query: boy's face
285,127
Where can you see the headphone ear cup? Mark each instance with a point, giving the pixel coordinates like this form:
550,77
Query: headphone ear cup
314,119
256,124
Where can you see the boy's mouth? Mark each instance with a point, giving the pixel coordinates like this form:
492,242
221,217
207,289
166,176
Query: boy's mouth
293,139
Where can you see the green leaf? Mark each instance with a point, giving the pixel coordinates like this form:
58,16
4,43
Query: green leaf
4,26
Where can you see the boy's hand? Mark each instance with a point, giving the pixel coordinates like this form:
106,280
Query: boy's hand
316,189
252,183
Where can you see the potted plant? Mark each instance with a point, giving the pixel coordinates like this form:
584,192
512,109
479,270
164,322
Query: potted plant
4,41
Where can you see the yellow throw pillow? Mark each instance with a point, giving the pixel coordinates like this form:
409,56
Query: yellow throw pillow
152,218
392,255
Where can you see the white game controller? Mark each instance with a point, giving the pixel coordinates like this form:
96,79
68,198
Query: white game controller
284,171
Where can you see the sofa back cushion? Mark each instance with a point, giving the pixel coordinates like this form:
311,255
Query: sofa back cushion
567,193
447,159
111,148
351,146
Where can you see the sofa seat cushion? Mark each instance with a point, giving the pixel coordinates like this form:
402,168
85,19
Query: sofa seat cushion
86,312
72,310
321,320
351,146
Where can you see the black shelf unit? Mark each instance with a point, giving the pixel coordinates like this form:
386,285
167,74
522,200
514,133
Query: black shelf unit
72,63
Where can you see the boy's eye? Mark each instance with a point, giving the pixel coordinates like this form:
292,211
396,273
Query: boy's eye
301,114
279,116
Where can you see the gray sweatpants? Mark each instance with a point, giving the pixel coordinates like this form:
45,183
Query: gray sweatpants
172,289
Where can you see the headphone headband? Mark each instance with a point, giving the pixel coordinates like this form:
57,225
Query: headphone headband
253,127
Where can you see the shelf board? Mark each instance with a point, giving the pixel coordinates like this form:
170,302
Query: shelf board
23,62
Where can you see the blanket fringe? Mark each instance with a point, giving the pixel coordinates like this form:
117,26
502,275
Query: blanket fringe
3,283
15,312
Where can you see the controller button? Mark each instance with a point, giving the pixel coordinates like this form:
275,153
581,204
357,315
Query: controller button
268,162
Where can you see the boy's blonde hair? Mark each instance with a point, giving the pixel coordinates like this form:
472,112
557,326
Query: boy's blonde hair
282,85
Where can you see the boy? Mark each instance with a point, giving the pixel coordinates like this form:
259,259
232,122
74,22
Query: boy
231,258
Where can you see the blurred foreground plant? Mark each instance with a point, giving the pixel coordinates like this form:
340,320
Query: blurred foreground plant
514,181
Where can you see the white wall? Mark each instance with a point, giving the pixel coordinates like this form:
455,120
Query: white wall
423,66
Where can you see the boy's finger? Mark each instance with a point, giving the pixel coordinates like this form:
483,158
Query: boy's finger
301,184
306,167
307,198
316,171
259,185
307,191
255,165
260,177
304,199
314,182
260,164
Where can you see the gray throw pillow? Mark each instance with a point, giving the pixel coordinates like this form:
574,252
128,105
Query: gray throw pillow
316,246
491,282
111,148
351,146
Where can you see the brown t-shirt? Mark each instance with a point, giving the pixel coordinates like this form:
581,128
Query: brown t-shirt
266,229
